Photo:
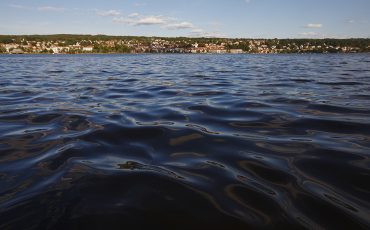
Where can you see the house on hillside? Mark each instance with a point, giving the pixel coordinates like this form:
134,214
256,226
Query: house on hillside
87,49
8,47
17,51
236,51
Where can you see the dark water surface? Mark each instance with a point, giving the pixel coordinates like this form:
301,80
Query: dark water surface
185,141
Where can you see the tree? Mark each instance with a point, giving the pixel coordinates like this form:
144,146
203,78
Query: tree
6,40
2,50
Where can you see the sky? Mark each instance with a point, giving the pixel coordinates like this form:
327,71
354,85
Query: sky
191,18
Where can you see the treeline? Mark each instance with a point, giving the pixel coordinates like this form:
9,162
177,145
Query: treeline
114,49
72,39
68,38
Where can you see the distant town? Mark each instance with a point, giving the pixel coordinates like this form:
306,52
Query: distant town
79,44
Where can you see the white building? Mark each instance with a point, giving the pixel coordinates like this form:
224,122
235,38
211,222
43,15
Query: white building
87,49
10,46
236,51
55,49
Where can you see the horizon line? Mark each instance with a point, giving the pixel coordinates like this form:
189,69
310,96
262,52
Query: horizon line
149,36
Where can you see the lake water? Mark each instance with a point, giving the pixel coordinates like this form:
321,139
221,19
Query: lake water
185,141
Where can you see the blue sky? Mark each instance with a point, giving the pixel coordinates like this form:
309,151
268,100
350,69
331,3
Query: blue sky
222,18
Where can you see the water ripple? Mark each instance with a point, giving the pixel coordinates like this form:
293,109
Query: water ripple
112,141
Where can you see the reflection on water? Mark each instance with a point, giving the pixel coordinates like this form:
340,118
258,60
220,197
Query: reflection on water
192,141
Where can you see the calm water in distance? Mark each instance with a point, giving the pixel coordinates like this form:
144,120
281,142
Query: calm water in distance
185,141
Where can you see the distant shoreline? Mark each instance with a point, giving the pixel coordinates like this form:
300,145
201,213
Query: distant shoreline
173,37
211,54
101,44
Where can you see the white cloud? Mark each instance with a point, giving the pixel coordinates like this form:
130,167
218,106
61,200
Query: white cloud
179,26
313,25
140,4
18,6
136,19
50,8
247,1
108,13
133,15
197,32
311,34
151,20
139,20
40,8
